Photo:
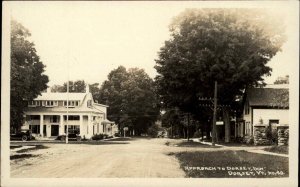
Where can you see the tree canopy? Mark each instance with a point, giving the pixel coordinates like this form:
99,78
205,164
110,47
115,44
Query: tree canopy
27,73
131,98
231,46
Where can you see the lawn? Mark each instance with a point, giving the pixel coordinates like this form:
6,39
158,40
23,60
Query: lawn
283,149
232,164
194,144
36,147
120,139
22,156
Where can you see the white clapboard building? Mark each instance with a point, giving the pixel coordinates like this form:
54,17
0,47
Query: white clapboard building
47,115
268,106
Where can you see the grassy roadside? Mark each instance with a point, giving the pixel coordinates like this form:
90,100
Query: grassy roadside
190,144
232,164
120,139
283,149
22,153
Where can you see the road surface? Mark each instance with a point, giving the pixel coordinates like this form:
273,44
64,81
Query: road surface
140,158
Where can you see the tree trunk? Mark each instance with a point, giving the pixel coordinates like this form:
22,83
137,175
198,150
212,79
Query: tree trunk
227,124
171,130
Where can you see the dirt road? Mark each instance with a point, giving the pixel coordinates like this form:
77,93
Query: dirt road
139,158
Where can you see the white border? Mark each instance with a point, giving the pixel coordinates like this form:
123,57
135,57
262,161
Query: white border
294,111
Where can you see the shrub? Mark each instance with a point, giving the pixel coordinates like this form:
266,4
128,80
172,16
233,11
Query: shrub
98,137
248,140
197,134
153,131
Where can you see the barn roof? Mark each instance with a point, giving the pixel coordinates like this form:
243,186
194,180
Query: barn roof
268,97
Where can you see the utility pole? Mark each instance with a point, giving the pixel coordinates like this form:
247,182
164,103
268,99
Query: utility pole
188,126
215,114
67,133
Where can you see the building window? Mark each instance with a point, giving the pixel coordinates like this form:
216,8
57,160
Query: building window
71,117
73,129
35,129
35,117
33,103
50,103
54,119
71,103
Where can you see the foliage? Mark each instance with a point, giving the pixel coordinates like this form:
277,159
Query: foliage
282,149
130,95
57,88
197,134
231,46
153,130
27,78
95,90
281,80
75,86
98,137
78,86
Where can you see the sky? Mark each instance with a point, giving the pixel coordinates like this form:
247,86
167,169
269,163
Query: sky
86,40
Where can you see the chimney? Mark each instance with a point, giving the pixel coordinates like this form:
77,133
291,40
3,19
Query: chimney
87,89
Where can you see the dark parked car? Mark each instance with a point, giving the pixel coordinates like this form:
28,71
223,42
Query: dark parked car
23,135
71,136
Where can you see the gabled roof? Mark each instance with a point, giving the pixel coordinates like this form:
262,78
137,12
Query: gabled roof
268,97
61,96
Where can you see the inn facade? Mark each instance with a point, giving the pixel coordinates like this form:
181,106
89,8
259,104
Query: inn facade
50,114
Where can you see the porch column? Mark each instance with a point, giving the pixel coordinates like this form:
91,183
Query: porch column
61,125
81,125
42,125
89,125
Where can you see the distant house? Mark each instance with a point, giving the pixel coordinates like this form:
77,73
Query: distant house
47,115
269,106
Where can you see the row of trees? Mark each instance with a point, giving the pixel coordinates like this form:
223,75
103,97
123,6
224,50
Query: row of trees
230,46
130,95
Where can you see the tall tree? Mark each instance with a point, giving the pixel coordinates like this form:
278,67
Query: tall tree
57,88
231,46
131,98
75,86
95,90
27,78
